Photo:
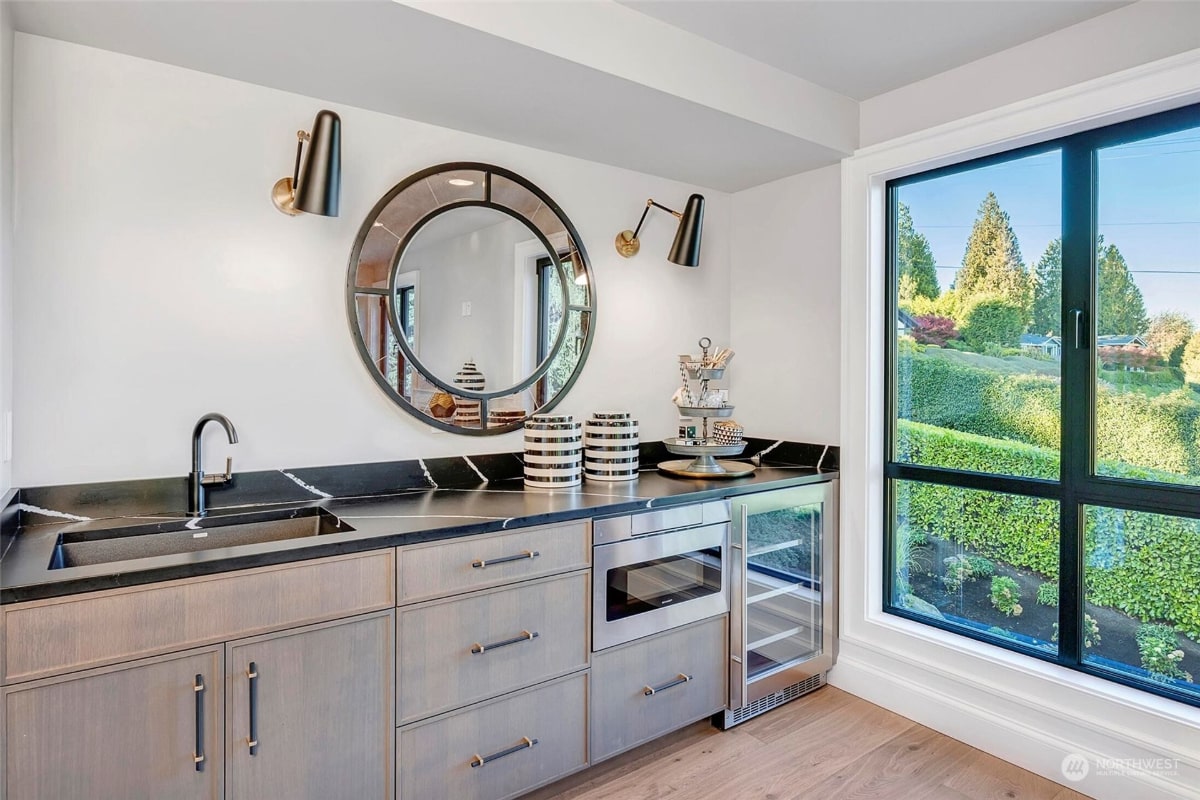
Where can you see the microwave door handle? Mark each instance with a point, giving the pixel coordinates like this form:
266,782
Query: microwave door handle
737,611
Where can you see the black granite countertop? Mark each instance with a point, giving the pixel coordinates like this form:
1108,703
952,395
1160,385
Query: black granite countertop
387,505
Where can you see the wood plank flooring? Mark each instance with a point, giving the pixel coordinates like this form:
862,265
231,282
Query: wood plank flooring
828,745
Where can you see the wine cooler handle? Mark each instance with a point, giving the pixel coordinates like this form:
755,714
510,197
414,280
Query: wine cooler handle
737,616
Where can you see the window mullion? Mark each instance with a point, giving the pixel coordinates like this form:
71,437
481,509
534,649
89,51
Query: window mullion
1078,307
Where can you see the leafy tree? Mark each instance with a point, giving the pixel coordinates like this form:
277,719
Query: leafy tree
992,263
994,319
914,258
1169,333
1191,360
933,329
1047,291
1122,309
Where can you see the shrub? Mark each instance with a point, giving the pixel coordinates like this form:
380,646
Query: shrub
934,329
981,567
1006,596
1159,647
1047,594
993,319
1128,356
958,572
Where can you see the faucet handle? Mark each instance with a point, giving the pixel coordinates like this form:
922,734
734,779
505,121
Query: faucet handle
217,480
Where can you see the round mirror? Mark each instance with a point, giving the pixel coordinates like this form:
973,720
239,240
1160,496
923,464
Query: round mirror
470,298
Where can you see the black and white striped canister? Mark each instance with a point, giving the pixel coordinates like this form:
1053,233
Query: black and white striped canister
466,410
553,455
610,447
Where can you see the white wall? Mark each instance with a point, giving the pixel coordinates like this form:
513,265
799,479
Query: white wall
155,281
784,307
1021,709
475,268
1132,35
6,235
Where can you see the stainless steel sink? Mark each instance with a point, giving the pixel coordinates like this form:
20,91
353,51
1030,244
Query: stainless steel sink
84,548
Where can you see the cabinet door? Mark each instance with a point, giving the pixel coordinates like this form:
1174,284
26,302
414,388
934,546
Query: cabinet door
149,729
311,712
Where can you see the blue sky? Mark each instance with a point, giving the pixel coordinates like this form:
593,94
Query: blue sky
1149,208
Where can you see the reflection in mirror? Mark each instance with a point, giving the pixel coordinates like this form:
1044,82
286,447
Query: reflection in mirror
469,265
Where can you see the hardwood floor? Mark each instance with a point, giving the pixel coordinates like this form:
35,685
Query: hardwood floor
827,745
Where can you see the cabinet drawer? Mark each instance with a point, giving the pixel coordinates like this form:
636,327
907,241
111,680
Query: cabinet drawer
435,757
624,712
440,569
458,651
70,633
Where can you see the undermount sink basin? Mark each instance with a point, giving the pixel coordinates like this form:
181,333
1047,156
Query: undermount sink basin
85,548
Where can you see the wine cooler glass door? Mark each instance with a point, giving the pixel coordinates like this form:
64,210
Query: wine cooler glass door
785,569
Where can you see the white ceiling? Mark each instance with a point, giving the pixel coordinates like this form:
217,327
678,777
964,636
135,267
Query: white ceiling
862,48
717,93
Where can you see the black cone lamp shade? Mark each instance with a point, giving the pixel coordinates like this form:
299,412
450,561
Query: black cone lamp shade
316,185
320,185
685,251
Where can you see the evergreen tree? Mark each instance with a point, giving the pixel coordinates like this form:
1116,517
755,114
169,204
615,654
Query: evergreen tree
992,263
1122,309
1047,291
1169,333
914,258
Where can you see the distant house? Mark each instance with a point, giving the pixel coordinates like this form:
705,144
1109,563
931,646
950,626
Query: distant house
904,323
1120,341
1045,345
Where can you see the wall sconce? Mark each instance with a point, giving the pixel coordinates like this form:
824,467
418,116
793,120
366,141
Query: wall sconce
685,250
317,187
577,268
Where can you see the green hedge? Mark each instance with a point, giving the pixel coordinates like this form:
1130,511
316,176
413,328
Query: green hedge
1144,564
1157,433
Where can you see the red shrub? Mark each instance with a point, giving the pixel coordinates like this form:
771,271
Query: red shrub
1129,356
935,330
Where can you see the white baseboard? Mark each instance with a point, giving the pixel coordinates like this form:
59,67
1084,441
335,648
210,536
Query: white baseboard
1037,742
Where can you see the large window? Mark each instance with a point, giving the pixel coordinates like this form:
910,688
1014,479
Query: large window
1043,418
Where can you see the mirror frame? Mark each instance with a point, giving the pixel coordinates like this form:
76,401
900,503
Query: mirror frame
404,240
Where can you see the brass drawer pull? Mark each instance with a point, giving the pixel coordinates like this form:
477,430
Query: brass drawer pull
679,681
198,754
524,636
526,743
480,564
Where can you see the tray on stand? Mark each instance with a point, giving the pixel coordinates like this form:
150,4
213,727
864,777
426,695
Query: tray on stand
704,463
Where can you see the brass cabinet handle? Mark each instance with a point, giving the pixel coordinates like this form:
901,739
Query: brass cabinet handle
198,753
524,636
480,563
252,741
680,679
526,743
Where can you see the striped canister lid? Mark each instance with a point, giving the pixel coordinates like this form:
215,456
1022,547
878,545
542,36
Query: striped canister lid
610,447
553,452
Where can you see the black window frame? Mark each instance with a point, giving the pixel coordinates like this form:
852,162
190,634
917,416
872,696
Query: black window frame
1078,486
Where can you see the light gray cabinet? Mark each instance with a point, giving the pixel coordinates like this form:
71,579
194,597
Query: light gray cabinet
147,729
458,651
310,712
499,749
655,685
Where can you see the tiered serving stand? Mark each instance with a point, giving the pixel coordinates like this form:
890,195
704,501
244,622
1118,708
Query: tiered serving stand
703,461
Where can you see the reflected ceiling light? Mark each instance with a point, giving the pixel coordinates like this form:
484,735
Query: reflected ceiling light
317,187
460,182
685,250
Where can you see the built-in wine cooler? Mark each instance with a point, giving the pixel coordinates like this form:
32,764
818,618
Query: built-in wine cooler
783,597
